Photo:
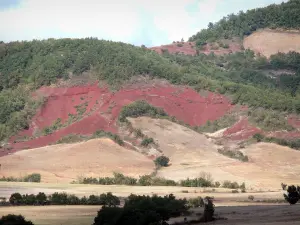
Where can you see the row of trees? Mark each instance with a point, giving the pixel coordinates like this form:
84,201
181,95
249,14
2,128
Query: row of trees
204,180
63,199
285,15
35,177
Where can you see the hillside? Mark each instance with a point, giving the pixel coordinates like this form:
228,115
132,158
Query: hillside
74,90
270,42
98,157
285,15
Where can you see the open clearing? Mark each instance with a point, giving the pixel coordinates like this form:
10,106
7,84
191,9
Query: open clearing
270,42
191,153
66,162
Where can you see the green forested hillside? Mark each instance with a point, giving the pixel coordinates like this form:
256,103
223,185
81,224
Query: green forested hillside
285,15
25,66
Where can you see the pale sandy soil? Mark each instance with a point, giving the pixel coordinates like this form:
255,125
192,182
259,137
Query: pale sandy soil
191,153
270,42
66,162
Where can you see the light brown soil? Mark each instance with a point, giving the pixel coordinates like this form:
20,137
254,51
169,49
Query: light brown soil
191,153
270,42
66,162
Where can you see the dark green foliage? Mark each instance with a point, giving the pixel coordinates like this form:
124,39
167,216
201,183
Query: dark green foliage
140,108
292,143
142,210
285,15
293,195
63,198
16,199
204,180
35,177
234,154
231,185
14,220
146,141
116,138
162,161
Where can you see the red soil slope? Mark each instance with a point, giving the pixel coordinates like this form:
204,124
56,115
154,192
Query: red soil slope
188,48
103,108
241,130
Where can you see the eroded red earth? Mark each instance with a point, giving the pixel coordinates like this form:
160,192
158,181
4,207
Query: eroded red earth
102,108
188,48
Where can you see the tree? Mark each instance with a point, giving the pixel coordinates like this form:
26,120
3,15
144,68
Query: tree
41,198
293,194
162,161
16,199
14,220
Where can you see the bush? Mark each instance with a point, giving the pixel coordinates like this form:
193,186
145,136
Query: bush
35,177
251,197
14,220
146,141
231,185
234,154
140,108
195,202
235,191
162,161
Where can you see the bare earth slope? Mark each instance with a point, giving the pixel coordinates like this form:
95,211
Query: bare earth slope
65,162
191,153
270,42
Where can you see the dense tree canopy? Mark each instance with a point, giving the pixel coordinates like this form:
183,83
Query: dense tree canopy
284,15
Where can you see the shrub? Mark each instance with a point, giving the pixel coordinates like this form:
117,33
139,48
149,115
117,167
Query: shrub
146,141
251,197
235,191
234,154
162,161
195,202
14,220
231,185
35,177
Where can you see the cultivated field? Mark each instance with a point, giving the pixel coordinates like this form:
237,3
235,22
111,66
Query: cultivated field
270,42
67,162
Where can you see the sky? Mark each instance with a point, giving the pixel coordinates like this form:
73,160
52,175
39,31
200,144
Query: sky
148,22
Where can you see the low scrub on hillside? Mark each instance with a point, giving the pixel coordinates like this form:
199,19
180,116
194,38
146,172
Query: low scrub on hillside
162,161
73,138
234,154
35,177
269,120
204,180
140,108
293,143
108,199
221,123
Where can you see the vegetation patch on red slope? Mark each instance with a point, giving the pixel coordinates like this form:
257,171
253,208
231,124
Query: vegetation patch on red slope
189,48
102,108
